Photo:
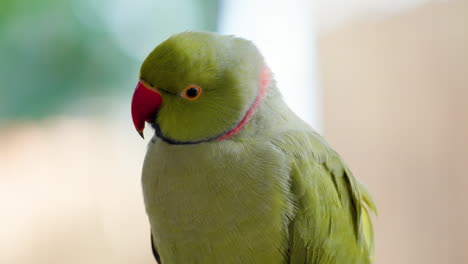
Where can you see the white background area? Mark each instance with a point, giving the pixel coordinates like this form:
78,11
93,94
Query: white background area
284,33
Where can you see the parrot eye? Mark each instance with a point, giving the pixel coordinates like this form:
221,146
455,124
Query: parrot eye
191,92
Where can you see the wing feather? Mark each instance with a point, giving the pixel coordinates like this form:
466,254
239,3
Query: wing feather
332,220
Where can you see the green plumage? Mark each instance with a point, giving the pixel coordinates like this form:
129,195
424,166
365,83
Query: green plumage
273,193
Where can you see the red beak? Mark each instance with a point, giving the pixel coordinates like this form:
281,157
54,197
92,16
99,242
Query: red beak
145,105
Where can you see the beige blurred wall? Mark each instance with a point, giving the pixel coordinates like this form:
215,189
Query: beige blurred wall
396,108
70,192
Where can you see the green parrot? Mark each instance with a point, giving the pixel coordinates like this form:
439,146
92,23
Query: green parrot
232,175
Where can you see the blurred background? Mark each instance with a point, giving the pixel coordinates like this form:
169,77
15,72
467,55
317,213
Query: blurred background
385,82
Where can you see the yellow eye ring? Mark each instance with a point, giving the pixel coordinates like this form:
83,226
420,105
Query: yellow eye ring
191,92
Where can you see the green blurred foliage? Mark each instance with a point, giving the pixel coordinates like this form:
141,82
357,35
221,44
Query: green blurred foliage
53,53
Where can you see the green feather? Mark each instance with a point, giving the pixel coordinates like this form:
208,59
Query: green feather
273,193
331,222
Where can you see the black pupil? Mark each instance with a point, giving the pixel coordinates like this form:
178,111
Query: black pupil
191,92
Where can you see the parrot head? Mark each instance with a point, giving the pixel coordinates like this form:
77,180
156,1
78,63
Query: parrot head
199,86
